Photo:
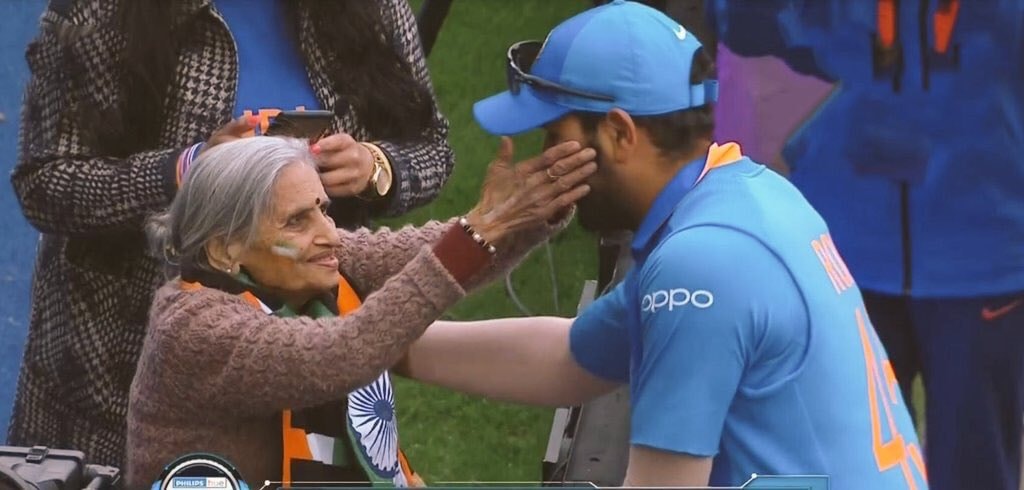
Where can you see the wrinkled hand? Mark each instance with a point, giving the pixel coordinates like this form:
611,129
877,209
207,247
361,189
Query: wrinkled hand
233,130
345,165
533,192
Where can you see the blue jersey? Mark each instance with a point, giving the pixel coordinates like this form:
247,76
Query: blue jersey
272,73
743,337
916,160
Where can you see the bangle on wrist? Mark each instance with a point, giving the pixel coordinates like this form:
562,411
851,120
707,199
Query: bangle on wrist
480,240
185,160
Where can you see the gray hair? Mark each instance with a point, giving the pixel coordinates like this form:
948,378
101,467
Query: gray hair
228,191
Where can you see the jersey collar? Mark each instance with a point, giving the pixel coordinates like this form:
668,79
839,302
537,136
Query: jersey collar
673,192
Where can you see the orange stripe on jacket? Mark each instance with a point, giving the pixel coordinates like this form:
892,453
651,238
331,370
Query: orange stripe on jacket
943,23
886,23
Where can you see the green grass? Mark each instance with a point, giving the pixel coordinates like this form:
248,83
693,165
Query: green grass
450,437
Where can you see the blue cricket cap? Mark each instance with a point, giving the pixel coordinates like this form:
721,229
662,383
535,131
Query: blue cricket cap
632,53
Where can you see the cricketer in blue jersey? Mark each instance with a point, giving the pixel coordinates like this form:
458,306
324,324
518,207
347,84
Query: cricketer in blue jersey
740,331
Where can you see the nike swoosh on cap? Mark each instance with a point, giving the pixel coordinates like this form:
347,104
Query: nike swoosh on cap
988,314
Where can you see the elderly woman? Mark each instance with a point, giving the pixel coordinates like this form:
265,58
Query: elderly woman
271,345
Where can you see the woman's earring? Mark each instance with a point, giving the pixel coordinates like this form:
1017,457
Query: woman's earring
230,270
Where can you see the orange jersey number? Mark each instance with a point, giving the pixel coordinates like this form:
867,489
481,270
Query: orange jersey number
883,391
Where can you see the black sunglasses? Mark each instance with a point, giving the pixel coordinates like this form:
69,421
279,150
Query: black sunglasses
521,56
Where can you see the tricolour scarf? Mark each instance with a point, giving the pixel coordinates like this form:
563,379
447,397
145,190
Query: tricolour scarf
354,439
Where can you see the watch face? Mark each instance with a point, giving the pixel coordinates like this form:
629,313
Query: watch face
383,182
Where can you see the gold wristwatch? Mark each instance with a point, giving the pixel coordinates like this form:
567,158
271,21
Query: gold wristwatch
381,177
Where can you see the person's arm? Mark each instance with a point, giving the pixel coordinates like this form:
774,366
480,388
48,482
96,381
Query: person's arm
235,357
539,361
420,166
369,257
717,310
652,468
64,185
380,254
523,360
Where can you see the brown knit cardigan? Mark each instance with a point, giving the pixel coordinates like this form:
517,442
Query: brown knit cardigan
93,281
215,372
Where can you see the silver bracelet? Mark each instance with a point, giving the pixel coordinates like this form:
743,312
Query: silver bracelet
464,223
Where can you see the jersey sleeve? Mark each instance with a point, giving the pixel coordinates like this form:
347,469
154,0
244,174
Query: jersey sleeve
598,339
708,296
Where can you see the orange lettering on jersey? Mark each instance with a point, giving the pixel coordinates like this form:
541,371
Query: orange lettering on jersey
887,453
837,261
833,264
826,263
895,451
890,381
819,250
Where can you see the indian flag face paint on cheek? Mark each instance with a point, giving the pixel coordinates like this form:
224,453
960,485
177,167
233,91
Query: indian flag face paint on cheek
285,249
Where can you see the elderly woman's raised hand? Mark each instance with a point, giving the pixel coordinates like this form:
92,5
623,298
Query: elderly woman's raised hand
520,196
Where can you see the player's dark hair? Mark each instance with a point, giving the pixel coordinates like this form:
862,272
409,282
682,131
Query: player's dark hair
674,133
365,70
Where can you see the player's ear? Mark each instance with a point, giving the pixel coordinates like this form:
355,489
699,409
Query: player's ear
621,131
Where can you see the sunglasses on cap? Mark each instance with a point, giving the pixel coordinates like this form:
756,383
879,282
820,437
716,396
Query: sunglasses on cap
521,56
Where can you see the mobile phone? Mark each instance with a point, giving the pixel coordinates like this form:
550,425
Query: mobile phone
300,124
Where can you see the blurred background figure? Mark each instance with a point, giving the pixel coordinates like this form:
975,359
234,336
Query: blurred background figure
914,158
122,96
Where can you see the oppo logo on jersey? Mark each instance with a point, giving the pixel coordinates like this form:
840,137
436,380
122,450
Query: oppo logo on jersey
676,298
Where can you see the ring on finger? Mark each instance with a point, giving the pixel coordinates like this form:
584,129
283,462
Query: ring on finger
551,176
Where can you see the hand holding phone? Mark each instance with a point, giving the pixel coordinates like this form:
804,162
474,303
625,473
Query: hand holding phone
311,125
350,168
233,130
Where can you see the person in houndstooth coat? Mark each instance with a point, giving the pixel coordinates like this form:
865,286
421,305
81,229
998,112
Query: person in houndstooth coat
122,95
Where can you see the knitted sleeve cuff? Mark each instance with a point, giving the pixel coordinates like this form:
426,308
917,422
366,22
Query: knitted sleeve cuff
461,255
